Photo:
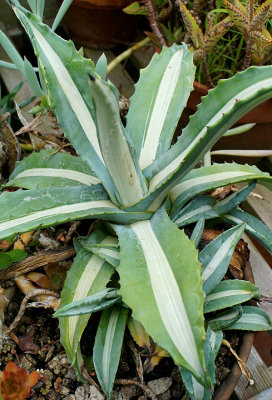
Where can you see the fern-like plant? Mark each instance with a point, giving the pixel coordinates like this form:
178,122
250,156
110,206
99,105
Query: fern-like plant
142,190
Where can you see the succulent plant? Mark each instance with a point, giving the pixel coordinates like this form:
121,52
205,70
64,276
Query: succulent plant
137,262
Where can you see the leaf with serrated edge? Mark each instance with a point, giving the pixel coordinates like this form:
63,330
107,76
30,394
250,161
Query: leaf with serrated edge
201,206
254,226
252,319
66,73
161,82
23,211
156,285
218,111
89,274
205,179
90,304
216,256
108,346
229,293
46,169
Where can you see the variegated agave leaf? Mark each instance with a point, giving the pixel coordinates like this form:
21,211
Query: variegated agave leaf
211,120
162,303
160,86
47,168
65,71
89,274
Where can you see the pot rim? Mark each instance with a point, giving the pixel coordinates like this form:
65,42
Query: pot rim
228,385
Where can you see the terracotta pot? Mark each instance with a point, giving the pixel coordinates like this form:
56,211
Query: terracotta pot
228,385
258,138
100,23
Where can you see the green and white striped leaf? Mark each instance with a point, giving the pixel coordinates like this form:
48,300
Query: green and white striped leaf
254,226
211,347
202,206
111,254
90,304
198,231
160,96
23,211
229,293
108,346
46,169
252,319
218,111
156,285
226,318
88,275
65,73
117,153
216,256
205,179
232,201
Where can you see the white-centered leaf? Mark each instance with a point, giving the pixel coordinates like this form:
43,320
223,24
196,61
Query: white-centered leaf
161,299
164,85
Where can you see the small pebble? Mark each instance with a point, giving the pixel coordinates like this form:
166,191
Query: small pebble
159,386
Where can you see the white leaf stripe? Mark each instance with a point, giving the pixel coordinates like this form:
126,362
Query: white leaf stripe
218,257
59,173
108,345
82,288
218,177
167,295
70,90
227,293
60,210
191,214
243,95
252,319
160,109
109,253
238,222
226,317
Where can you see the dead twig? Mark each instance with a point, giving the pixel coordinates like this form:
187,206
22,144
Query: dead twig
34,293
148,392
33,262
241,363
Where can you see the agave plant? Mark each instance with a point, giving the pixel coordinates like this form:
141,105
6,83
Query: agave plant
139,186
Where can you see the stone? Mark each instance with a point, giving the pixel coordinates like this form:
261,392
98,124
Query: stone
94,394
80,393
159,386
